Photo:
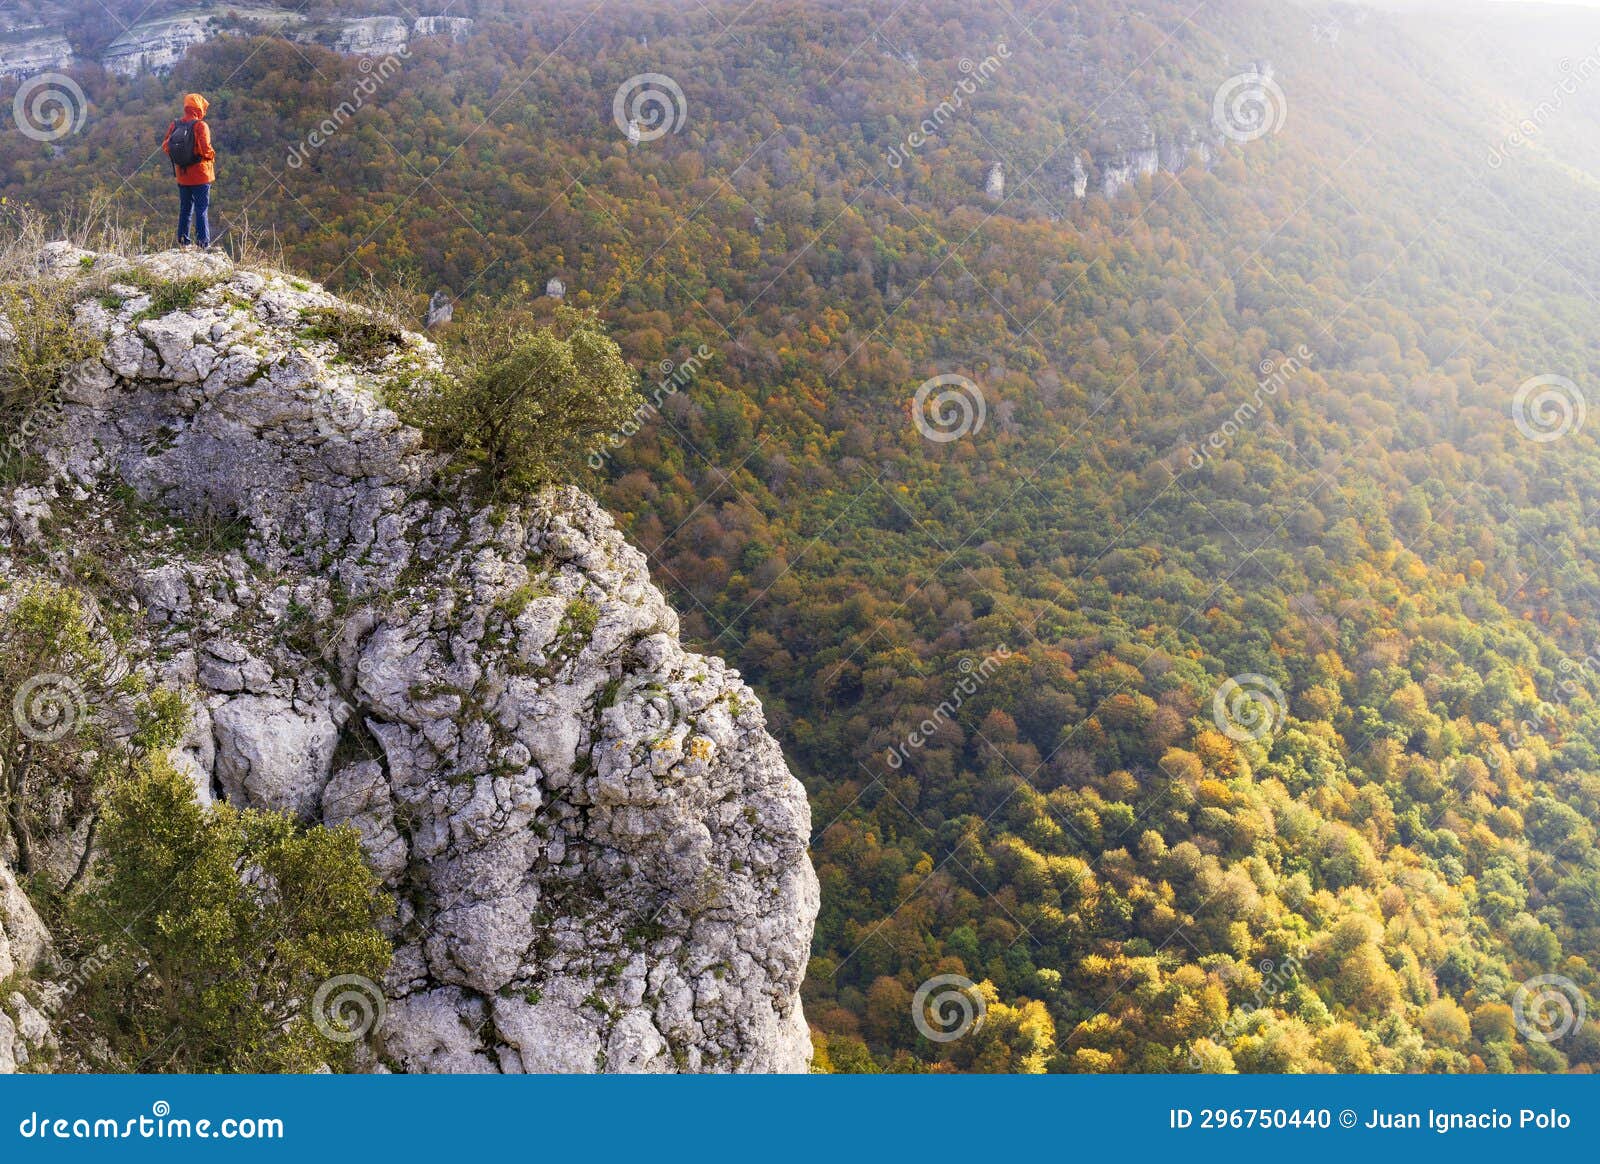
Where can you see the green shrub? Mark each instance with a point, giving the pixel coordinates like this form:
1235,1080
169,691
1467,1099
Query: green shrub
219,931
523,402
43,343
53,679
363,337
169,295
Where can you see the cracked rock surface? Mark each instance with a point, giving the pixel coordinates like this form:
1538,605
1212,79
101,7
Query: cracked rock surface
24,949
596,850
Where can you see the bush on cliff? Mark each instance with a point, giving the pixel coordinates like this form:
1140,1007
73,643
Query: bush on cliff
523,404
226,939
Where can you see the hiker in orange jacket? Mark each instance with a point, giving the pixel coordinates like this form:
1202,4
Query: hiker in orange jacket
188,146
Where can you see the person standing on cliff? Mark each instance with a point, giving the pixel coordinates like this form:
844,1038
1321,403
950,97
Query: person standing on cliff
188,147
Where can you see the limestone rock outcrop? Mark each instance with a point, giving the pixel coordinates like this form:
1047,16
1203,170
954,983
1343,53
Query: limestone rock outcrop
24,949
597,853
29,49
157,43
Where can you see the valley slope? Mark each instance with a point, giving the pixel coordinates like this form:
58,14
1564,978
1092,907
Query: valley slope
1257,418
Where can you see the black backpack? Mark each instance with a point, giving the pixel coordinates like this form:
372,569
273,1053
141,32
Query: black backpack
180,144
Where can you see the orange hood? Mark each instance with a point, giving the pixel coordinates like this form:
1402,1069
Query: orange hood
194,106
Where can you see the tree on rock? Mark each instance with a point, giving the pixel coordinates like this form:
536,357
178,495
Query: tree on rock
227,939
526,404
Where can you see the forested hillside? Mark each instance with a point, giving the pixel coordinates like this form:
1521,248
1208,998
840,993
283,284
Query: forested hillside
1225,697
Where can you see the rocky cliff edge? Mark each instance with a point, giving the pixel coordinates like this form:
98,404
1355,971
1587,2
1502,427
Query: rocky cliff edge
597,853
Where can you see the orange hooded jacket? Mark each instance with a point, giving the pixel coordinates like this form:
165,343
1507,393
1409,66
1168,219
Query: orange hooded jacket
203,172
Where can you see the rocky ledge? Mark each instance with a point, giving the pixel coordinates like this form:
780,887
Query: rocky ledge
597,853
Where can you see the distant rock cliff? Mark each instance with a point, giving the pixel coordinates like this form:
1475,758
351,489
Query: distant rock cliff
1170,154
156,46
597,853
31,48
159,43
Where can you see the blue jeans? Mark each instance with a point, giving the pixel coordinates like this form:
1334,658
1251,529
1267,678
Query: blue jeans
195,200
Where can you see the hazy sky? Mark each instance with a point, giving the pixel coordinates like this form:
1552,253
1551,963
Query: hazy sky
1412,5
